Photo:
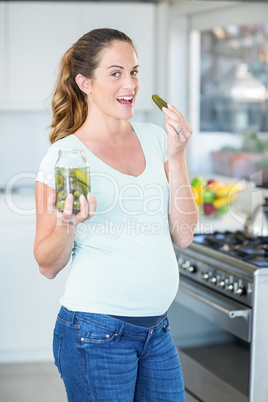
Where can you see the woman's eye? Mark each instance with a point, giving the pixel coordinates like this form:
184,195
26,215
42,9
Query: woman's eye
134,72
116,74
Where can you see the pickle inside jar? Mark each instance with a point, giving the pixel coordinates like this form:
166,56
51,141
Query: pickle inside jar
71,181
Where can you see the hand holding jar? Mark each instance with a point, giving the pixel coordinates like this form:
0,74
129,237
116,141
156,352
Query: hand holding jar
73,202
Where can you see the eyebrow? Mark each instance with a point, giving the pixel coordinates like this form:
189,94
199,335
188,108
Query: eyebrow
121,67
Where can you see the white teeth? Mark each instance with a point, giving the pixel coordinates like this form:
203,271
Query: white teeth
125,97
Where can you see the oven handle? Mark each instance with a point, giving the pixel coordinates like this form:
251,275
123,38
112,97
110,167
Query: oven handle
230,313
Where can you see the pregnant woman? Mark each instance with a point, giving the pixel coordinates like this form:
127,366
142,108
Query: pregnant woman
112,339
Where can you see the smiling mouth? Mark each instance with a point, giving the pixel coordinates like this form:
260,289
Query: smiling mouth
125,100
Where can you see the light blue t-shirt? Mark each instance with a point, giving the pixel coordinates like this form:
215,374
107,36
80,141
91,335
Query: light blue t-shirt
123,259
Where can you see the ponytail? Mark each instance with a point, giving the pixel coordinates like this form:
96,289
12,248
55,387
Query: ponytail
69,103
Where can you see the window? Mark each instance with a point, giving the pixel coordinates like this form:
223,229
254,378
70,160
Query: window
234,79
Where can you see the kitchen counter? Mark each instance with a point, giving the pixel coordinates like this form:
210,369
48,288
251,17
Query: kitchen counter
232,221
248,199
25,293
17,208
20,208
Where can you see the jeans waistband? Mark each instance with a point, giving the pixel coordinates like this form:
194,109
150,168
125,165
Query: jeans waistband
108,322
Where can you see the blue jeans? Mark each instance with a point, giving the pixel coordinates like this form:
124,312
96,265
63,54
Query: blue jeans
101,358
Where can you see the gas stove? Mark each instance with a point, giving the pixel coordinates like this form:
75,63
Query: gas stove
238,244
224,279
225,262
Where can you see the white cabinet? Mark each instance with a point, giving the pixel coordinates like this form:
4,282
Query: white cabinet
37,34
30,302
2,53
138,22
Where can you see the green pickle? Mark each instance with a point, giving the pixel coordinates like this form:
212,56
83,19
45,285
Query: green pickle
159,101
71,181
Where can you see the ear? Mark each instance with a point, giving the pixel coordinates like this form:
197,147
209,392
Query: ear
83,83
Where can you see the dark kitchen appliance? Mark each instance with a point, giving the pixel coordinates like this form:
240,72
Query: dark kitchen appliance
224,280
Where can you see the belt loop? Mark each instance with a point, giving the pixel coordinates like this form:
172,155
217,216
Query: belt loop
72,317
119,334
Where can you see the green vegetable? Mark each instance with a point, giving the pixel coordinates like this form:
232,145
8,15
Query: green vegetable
81,176
71,181
59,181
61,196
79,187
60,205
77,195
208,196
159,102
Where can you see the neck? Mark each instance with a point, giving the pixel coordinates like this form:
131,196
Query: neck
103,128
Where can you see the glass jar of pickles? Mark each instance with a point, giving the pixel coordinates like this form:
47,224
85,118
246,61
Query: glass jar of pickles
71,177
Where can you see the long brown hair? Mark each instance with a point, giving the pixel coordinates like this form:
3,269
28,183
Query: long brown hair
69,103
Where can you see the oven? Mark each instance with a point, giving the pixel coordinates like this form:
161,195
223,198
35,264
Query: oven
219,319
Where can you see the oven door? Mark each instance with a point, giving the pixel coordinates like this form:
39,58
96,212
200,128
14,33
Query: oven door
228,314
217,370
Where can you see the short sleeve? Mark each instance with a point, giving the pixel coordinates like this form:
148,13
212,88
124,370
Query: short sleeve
46,173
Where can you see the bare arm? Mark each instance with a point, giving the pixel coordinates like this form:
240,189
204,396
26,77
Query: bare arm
55,231
183,214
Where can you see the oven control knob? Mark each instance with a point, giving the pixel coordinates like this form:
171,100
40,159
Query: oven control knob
185,265
192,269
206,276
222,283
230,287
213,280
240,291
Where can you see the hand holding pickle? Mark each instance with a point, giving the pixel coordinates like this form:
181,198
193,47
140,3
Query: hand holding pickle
178,128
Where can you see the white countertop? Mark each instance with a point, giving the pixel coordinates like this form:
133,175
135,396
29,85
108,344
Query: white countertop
232,221
20,208
17,208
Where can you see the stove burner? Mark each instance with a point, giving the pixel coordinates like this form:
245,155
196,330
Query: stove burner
238,244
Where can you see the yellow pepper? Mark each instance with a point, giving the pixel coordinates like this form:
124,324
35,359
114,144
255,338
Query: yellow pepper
198,194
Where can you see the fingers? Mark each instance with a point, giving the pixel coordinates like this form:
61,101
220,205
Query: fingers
68,207
84,207
181,138
66,217
177,121
87,209
92,201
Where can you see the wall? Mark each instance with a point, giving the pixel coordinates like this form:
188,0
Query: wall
33,38
29,301
24,141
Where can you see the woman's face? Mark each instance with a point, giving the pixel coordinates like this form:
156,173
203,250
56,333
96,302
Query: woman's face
116,83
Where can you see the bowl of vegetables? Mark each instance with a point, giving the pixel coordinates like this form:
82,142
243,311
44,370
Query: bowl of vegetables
214,197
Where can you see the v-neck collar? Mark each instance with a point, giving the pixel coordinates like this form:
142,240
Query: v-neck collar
107,166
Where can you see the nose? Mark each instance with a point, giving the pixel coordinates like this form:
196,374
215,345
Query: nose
129,82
